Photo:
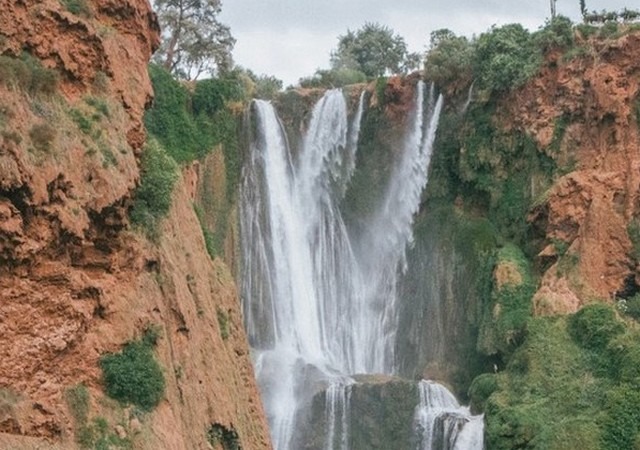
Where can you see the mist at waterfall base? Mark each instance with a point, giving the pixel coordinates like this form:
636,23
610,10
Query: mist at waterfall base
319,299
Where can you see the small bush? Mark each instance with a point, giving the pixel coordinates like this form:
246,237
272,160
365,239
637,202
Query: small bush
556,34
220,435
27,73
210,95
81,120
77,7
42,136
633,231
632,307
594,326
78,401
608,30
481,389
223,323
99,104
210,242
622,424
153,196
98,436
12,136
134,375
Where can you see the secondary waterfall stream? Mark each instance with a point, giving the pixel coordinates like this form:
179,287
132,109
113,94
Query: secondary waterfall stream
319,301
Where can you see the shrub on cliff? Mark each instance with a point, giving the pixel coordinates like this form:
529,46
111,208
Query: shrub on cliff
28,74
506,57
133,375
594,326
556,34
170,120
153,197
449,58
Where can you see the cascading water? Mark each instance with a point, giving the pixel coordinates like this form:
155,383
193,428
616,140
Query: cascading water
442,424
319,303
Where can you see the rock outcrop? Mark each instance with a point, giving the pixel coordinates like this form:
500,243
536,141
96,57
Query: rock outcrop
589,209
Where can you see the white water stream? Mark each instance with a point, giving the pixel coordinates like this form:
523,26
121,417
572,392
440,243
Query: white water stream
316,309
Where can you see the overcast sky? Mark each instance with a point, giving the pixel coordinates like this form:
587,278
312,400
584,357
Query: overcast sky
292,38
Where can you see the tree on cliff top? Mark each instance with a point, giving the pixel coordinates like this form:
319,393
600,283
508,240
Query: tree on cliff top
373,50
193,40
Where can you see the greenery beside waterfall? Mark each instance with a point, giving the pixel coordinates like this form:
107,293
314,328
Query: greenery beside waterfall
547,382
186,122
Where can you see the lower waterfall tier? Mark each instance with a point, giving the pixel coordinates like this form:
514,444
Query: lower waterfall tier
385,412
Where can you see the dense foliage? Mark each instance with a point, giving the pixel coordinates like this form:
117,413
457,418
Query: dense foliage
505,57
582,371
133,375
449,58
190,123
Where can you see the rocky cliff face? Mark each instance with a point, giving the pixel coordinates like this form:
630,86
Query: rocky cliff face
590,208
75,283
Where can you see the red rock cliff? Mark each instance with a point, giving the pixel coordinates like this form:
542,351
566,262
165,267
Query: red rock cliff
74,282
590,208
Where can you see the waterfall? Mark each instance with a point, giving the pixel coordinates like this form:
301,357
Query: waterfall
442,424
337,416
320,304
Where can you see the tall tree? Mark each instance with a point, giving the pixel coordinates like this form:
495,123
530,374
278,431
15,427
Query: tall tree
193,40
583,8
553,8
373,50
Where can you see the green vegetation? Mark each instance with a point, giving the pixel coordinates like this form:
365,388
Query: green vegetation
505,57
77,398
189,124
97,435
153,197
594,326
42,136
631,307
213,241
489,168
27,73
373,50
133,375
77,7
582,371
218,434
481,389
449,59
194,41
223,323
509,308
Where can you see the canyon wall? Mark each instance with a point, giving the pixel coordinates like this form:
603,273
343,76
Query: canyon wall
76,281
